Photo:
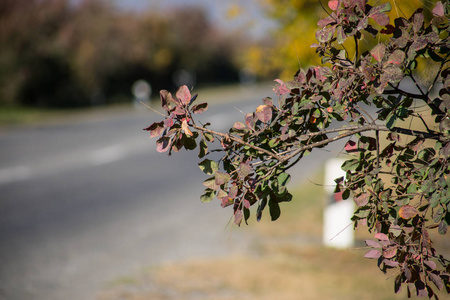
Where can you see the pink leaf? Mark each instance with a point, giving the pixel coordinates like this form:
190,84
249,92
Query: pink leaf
361,200
281,89
168,122
438,10
246,204
397,57
184,95
372,243
155,129
381,19
350,146
245,169
372,254
239,125
238,215
221,178
390,252
381,236
163,144
378,52
333,5
264,113
166,98
249,120
431,264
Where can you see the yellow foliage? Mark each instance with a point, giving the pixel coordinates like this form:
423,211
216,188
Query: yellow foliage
290,45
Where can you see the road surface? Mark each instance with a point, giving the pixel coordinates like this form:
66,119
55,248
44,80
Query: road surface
84,202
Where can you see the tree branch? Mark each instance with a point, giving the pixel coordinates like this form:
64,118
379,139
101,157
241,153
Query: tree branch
239,141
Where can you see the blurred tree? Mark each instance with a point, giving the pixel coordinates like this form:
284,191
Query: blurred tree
297,22
56,53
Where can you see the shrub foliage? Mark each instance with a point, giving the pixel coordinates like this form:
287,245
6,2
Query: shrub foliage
397,133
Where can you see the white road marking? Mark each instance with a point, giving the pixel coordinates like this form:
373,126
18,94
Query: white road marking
8,175
107,155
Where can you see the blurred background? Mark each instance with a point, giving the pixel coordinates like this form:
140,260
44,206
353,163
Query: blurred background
89,210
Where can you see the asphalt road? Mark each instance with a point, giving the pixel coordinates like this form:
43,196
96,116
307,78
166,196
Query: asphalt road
84,202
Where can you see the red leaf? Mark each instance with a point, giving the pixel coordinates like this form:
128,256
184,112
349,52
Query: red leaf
388,30
372,254
350,146
438,10
281,89
264,113
168,122
333,5
184,95
407,212
378,52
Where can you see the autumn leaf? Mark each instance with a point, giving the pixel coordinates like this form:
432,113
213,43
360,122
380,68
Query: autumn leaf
372,254
438,10
264,113
199,108
163,144
155,129
184,95
281,89
333,5
407,212
378,52
185,127
351,146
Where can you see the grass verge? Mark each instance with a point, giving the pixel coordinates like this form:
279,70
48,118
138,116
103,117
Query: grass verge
287,262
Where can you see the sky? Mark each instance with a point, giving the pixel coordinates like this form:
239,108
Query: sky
217,11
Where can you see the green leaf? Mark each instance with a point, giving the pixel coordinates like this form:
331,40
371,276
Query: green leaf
208,136
391,119
345,194
443,227
283,179
203,149
350,165
209,167
207,196
274,209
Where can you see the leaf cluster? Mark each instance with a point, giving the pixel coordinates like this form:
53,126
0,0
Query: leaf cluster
398,175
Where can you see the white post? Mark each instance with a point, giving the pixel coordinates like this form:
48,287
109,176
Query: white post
337,224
